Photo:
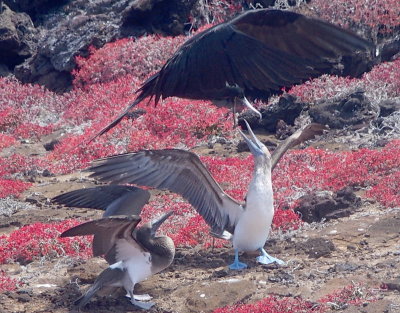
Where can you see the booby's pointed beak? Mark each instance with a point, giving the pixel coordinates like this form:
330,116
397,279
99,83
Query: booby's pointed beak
247,104
157,223
256,146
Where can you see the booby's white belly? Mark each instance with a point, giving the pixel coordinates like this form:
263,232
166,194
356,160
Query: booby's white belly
252,230
136,261
139,269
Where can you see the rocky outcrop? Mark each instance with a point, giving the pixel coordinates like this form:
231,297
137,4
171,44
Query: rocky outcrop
389,49
389,106
33,8
318,206
157,16
17,37
353,109
283,112
76,25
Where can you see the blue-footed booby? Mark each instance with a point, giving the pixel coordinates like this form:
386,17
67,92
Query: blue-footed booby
256,54
134,254
182,172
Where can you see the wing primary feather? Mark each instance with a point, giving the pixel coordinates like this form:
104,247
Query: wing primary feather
178,171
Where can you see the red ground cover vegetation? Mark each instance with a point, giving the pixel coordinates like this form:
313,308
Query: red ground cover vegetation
381,16
312,169
7,283
338,300
6,141
27,111
12,187
41,240
273,304
137,57
381,82
13,170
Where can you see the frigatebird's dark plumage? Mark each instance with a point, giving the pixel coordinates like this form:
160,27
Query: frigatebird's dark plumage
255,55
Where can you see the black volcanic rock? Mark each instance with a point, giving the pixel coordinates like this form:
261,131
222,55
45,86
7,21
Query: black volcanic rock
346,110
17,37
315,207
157,16
69,31
390,49
284,112
33,7
389,106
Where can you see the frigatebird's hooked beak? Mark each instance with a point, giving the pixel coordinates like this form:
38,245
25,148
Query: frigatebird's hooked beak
157,223
239,95
256,146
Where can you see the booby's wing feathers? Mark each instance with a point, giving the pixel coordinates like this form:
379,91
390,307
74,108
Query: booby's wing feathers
176,170
114,199
106,231
295,139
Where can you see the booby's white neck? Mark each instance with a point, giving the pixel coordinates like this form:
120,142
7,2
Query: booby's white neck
260,195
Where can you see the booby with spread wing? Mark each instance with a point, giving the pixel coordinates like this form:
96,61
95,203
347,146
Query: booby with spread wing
134,254
182,172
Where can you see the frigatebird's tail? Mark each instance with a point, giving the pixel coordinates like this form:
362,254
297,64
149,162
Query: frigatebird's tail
148,89
116,121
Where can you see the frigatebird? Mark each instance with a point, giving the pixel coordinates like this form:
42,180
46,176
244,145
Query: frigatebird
256,54
134,254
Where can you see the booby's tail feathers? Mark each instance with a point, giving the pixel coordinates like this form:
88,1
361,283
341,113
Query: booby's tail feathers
83,300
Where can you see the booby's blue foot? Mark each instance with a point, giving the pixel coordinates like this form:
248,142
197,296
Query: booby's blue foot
265,258
140,304
236,265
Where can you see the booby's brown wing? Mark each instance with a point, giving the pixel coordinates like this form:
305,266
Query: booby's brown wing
106,231
306,133
114,199
176,170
